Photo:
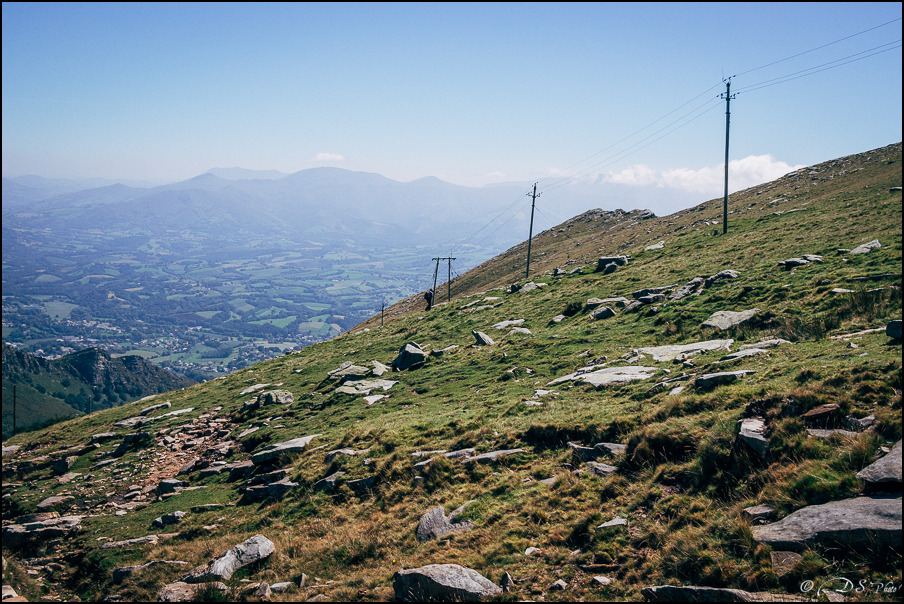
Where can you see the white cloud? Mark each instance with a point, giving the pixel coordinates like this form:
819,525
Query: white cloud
328,158
742,173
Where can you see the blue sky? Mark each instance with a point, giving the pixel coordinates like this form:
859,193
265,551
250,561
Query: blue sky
472,93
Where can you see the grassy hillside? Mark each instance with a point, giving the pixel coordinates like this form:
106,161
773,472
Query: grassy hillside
45,391
682,482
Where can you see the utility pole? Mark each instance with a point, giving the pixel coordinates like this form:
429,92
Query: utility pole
531,233
727,96
436,272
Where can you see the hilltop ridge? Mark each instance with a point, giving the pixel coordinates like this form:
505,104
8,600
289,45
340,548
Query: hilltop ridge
656,411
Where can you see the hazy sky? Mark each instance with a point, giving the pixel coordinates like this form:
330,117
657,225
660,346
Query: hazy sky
472,93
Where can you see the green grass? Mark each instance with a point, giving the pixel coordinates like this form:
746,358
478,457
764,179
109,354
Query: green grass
683,480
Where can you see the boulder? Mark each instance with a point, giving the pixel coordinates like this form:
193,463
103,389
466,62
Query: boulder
436,525
330,483
482,339
861,523
275,397
753,435
27,533
884,473
365,387
670,353
603,312
609,375
252,550
442,582
600,469
893,329
727,319
271,452
866,247
168,519
692,287
348,371
505,324
275,490
720,276
410,357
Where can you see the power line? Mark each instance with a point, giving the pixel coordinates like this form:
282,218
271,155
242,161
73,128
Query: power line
824,67
817,48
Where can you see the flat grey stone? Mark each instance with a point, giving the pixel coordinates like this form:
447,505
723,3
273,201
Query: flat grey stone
728,319
617,521
482,339
609,375
862,522
752,434
600,469
885,472
670,353
442,582
493,456
251,550
867,247
270,452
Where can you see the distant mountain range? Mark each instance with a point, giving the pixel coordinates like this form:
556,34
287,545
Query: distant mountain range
311,202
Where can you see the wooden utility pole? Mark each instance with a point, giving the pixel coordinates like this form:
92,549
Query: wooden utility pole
449,283
727,96
530,235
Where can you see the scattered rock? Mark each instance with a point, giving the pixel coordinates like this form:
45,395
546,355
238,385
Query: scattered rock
893,329
365,387
603,312
272,452
727,319
482,339
759,513
720,276
866,247
609,375
617,521
493,456
753,434
505,324
436,525
442,582
168,519
600,469
184,592
672,352
862,522
410,356
784,562
252,550
884,473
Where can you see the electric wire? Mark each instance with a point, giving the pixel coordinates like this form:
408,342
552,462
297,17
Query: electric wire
564,178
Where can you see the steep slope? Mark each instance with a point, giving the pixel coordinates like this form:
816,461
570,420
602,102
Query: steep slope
597,454
48,390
